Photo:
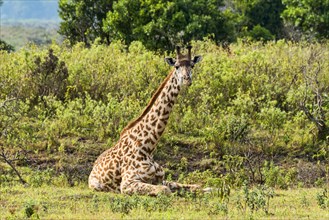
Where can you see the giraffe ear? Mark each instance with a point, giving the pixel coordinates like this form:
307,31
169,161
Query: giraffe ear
197,59
170,61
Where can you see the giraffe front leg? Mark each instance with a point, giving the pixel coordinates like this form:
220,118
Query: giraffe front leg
142,181
159,174
177,187
173,186
137,187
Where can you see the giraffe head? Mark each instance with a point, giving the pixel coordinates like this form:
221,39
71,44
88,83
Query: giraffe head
184,65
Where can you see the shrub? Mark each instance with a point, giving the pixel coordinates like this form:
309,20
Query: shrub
245,103
259,33
322,198
255,199
6,47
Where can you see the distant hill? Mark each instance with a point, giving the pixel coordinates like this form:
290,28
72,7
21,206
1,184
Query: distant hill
29,21
29,9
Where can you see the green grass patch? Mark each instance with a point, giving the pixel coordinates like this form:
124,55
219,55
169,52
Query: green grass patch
81,203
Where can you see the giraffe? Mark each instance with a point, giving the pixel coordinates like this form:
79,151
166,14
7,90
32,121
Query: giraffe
128,167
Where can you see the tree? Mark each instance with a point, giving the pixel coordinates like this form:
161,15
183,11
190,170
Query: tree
258,16
9,153
83,20
162,24
309,16
315,100
5,46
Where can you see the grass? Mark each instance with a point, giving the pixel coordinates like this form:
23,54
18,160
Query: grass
78,202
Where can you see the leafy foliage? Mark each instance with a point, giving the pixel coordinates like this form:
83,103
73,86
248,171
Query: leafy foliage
82,20
323,199
47,78
61,107
160,25
310,16
163,24
255,199
259,18
5,46
260,34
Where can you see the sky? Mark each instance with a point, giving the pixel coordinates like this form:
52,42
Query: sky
29,9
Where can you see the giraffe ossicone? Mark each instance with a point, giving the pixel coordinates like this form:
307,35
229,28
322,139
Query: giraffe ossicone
128,167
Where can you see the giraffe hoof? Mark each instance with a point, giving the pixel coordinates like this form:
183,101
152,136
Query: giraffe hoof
208,190
162,190
195,187
165,190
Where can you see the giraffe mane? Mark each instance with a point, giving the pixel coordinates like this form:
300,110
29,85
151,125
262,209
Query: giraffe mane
149,105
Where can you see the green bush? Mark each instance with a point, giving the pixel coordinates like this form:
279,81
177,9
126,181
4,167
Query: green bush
276,176
323,199
260,33
257,101
255,198
6,47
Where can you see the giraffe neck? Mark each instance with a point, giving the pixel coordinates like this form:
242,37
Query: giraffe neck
149,126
